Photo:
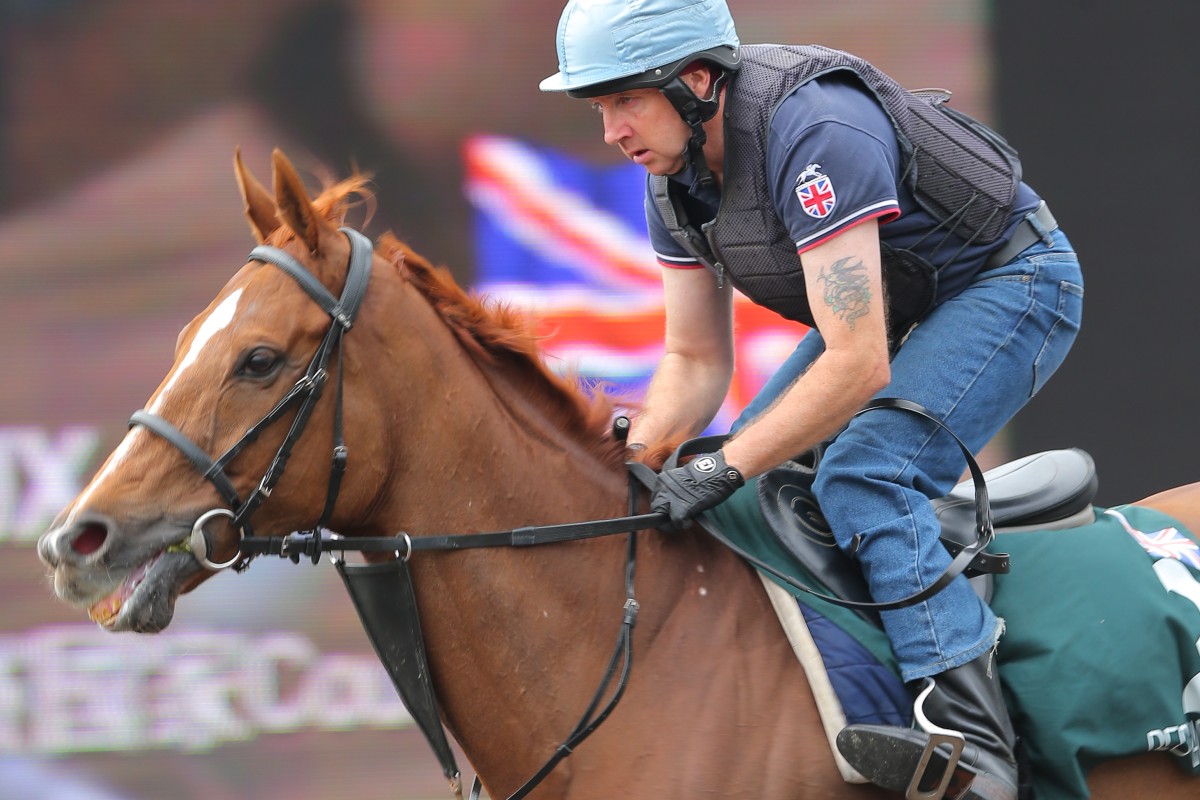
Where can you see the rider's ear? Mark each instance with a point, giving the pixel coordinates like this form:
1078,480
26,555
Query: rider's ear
699,78
295,207
260,206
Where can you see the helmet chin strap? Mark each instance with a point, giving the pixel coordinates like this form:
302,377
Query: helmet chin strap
695,112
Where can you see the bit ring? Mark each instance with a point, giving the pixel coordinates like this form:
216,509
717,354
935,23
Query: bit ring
199,542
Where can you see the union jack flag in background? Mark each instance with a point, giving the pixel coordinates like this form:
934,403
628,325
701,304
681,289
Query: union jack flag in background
567,240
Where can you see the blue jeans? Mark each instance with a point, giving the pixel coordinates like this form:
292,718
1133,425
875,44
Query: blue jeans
974,361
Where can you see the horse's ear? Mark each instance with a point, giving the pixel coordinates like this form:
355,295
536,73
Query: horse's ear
260,206
294,204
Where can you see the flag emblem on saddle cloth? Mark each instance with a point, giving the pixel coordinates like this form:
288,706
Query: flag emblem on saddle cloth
1166,543
815,192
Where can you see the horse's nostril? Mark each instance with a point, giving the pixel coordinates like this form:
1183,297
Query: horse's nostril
90,539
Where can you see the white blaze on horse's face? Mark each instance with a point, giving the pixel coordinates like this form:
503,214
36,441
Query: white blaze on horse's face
216,322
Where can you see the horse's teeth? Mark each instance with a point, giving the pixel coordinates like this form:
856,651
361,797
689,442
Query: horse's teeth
106,609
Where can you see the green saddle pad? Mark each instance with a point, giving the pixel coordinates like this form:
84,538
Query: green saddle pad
1101,657
1102,653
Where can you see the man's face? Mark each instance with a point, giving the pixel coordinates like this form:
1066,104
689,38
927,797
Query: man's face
644,125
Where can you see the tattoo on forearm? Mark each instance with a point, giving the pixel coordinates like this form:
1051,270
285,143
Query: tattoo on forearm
846,291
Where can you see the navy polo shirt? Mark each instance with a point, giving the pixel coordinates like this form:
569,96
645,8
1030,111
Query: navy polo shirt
833,161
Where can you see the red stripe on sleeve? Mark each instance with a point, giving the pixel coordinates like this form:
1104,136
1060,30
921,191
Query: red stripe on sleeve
680,264
884,216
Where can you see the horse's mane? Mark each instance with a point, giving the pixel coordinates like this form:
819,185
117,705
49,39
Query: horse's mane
493,332
498,333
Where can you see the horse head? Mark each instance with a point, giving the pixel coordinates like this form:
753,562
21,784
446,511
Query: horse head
120,549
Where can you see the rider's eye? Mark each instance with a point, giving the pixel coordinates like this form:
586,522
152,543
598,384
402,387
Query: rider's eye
260,362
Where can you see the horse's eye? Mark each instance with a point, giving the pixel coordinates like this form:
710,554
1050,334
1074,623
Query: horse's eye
260,362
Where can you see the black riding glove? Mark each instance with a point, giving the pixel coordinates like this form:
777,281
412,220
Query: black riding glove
683,492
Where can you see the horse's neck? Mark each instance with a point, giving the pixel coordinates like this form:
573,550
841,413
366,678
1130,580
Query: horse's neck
519,638
463,444
493,459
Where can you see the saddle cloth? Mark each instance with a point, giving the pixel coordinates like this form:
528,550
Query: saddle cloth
1101,658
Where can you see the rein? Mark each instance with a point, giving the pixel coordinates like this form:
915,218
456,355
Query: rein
971,559
384,604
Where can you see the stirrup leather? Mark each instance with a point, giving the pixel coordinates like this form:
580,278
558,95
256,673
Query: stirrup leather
938,736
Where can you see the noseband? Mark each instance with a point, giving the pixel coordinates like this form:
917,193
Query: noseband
304,394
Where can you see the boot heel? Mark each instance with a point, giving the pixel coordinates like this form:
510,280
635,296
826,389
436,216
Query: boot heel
970,758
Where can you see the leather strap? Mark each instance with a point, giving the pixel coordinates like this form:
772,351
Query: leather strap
1024,237
313,543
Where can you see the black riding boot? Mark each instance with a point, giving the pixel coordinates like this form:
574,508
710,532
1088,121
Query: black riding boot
964,700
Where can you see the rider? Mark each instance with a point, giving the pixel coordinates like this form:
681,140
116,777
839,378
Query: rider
901,233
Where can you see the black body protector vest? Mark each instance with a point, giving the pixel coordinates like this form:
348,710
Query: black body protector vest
958,170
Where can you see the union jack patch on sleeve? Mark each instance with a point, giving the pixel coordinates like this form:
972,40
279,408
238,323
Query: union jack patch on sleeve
815,192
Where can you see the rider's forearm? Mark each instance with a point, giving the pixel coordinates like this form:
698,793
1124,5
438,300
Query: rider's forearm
684,396
814,408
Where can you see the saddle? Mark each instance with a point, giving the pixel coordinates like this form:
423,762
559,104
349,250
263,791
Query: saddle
1048,490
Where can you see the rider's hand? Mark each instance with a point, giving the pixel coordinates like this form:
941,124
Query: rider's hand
683,492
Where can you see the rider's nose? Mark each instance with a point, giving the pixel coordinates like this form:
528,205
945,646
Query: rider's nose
615,128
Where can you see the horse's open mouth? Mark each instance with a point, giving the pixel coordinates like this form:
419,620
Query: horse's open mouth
105,610
145,600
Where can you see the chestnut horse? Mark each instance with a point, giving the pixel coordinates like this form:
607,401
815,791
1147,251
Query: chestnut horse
454,425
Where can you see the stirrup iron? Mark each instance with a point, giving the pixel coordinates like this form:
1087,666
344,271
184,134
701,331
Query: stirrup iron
938,736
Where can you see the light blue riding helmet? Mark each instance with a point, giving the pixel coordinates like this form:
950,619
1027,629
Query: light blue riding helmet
607,46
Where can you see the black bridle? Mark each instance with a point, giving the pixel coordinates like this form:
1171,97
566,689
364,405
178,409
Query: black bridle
304,395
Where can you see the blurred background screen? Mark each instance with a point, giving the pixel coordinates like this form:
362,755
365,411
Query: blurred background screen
120,219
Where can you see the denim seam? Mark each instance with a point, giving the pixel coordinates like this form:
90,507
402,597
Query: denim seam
926,616
1064,289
